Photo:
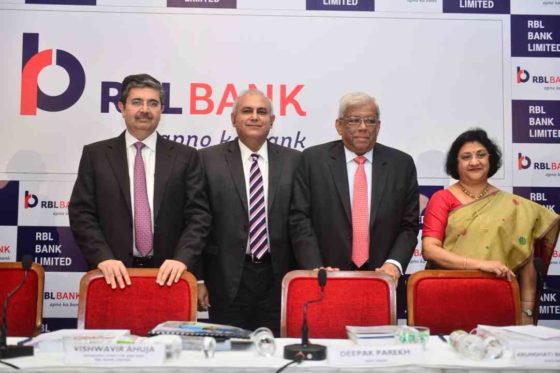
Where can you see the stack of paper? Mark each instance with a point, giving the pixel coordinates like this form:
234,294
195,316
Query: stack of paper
372,335
524,336
54,341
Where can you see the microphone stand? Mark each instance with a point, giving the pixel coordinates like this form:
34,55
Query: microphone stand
7,352
305,350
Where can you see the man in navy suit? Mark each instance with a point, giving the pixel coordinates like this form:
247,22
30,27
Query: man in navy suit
245,260
139,199
331,225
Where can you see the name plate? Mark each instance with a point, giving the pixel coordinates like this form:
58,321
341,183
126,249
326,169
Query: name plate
543,356
115,354
382,355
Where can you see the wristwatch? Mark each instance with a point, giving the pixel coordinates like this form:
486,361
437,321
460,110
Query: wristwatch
528,312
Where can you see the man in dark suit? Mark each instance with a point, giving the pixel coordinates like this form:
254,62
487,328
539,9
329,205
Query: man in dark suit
139,200
248,253
355,201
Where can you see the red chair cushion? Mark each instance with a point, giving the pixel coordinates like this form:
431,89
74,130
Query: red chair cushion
22,309
138,307
348,301
449,304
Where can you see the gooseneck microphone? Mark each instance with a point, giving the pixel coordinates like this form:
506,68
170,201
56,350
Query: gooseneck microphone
6,351
306,350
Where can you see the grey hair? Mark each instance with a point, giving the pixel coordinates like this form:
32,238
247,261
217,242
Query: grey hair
356,99
251,92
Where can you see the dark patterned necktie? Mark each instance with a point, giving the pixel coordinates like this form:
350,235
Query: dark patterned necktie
258,231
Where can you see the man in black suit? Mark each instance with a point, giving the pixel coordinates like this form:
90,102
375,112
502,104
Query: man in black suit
355,201
139,200
248,253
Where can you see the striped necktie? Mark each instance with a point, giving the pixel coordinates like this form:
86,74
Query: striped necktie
258,231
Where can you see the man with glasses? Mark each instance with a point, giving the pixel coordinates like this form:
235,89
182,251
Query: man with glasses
355,204
139,199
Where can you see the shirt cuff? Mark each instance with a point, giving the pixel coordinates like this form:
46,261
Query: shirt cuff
395,263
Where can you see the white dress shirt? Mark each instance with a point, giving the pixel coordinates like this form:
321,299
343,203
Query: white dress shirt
351,167
247,160
149,157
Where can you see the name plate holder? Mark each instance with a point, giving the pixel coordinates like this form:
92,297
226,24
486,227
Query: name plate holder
542,356
401,354
115,354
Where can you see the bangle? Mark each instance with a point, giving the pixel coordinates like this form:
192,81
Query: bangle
528,301
465,263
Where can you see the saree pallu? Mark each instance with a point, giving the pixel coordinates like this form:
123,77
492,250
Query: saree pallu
505,227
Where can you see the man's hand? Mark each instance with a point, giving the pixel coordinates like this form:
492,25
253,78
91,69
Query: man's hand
391,270
203,299
170,272
328,269
114,272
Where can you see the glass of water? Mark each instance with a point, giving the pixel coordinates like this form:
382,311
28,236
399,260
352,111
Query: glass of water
263,340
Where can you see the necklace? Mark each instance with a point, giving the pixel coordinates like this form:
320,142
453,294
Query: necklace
472,195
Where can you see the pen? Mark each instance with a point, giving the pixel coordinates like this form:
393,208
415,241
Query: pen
442,337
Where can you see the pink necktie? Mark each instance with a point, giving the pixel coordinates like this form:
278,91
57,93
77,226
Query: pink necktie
360,234
142,213
258,232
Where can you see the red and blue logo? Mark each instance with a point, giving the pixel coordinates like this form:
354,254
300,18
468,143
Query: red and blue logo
30,200
522,75
33,62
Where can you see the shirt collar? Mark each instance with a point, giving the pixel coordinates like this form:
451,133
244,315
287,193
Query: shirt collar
246,152
149,142
350,155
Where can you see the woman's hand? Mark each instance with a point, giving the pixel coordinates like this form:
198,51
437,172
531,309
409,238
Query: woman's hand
496,267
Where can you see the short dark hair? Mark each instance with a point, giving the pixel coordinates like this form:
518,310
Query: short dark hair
478,135
140,81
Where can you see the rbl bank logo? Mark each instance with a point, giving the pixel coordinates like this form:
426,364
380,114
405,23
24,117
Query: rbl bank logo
522,75
30,200
523,162
33,61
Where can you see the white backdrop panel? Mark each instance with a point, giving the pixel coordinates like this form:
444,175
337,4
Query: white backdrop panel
426,81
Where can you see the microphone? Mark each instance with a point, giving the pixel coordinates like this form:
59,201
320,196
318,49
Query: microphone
6,351
306,350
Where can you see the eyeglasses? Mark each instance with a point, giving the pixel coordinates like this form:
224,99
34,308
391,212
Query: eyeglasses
466,157
356,121
153,104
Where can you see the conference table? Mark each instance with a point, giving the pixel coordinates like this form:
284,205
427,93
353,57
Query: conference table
438,357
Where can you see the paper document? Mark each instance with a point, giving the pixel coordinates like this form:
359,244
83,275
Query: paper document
538,331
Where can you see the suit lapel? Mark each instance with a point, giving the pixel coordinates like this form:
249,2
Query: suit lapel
378,181
235,165
164,165
275,163
339,173
116,155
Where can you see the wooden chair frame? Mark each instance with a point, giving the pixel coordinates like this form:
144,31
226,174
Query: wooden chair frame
445,273
335,274
39,270
132,272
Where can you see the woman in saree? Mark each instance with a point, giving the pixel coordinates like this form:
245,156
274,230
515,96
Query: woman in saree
474,225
